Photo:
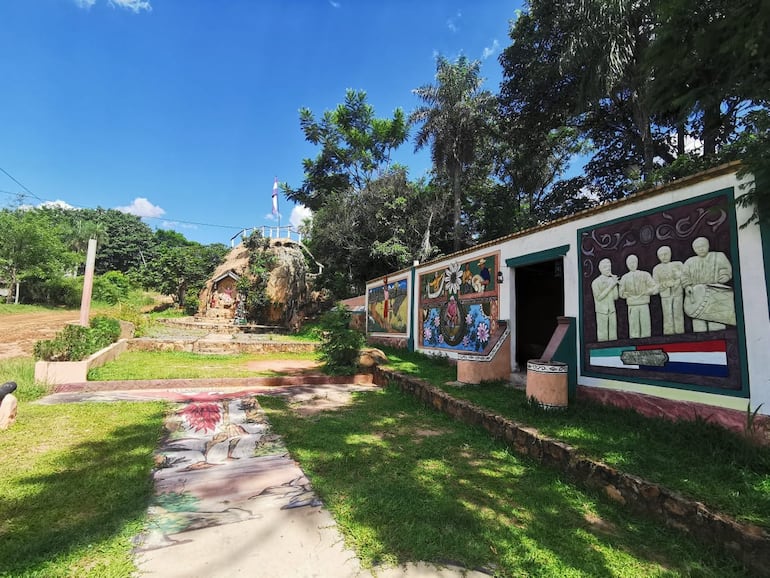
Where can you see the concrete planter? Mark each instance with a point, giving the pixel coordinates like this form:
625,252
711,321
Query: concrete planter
58,372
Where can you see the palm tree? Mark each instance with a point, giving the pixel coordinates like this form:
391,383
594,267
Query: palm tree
454,119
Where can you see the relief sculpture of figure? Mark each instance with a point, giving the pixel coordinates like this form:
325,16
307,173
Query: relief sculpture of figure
668,276
708,301
605,291
636,287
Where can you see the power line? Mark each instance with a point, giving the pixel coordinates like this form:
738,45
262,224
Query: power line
10,176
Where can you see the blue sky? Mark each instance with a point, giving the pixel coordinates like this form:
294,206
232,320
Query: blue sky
184,111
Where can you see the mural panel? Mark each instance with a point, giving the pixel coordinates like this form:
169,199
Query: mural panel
660,297
388,307
459,306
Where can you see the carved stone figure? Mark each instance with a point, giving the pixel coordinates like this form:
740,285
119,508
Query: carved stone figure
708,301
668,276
605,292
636,287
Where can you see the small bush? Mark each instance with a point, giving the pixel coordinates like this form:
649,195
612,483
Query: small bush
104,331
75,342
112,287
191,305
66,291
340,345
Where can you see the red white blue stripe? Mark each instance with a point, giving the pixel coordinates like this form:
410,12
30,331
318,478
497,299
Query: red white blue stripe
695,358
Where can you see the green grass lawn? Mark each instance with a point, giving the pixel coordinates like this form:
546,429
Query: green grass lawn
180,364
407,483
74,483
403,481
700,460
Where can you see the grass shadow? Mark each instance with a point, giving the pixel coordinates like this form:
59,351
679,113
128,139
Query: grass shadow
80,503
406,484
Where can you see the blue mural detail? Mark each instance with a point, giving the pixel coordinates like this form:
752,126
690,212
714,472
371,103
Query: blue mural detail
456,326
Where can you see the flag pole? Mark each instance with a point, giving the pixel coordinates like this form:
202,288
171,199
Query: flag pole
275,205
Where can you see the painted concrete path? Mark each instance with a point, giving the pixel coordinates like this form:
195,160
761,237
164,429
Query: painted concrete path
230,501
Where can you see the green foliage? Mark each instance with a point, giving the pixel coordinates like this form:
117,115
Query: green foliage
254,285
340,344
112,287
104,331
22,371
75,342
355,148
191,305
30,246
53,290
178,266
455,121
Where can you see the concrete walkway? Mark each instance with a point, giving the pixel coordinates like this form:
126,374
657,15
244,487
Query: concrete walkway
229,500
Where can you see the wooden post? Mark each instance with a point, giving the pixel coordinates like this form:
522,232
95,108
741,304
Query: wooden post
88,283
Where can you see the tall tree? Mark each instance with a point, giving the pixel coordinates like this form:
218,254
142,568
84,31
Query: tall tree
30,245
177,266
356,147
453,120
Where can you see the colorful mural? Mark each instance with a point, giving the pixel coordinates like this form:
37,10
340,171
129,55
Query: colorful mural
388,307
660,297
459,306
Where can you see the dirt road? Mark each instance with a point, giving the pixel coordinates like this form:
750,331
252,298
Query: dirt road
20,331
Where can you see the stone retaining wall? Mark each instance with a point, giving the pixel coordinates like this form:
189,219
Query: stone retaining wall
203,346
748,543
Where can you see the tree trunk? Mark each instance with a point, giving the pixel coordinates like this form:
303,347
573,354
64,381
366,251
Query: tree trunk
712,120
425,245
457,207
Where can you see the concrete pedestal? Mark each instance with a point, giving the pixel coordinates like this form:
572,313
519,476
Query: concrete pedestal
547,383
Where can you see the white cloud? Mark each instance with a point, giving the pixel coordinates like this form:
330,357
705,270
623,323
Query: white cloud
452,22
298,214
177,225
490,50
134,6
334,4
141,207
57,204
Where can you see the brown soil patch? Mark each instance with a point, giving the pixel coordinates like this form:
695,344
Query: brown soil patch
20,331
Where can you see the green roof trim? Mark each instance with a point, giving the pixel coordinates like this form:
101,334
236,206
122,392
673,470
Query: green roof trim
539,257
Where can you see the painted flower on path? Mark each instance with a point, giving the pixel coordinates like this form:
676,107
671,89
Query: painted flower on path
202,417
452,278
482,332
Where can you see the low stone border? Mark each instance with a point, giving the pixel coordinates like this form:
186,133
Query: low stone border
56,372
204,345
750,544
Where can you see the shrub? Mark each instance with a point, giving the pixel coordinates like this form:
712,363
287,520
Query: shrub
340,345
191,305
75,342
104,331
112,287
65,291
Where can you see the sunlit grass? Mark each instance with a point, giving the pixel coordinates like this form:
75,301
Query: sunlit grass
701,460
74,487
406,483
185,365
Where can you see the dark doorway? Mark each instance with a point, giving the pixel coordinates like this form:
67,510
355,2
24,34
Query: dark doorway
539,301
